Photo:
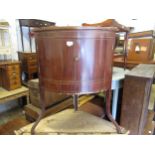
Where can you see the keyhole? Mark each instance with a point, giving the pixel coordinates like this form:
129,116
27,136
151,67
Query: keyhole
69,43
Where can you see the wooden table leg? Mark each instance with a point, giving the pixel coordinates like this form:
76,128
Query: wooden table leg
108,111
27,99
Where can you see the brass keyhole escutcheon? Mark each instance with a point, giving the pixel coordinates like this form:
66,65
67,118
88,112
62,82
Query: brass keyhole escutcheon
77,58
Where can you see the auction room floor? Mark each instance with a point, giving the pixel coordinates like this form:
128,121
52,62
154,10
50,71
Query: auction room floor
15,119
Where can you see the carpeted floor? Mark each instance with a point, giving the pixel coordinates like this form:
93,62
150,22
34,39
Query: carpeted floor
12,120
11,114
15,124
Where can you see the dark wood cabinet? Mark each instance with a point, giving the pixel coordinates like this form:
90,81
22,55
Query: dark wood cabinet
28,63
10,75
136,96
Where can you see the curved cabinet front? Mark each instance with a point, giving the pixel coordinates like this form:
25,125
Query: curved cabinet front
75,60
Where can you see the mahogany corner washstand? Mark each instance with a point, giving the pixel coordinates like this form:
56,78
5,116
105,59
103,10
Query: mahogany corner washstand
75,61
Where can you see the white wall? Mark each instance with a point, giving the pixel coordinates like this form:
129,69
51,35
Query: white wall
13,34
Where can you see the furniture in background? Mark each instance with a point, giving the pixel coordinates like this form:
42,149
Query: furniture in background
5,41
10,74
116,87
121,35
33,86
120,44
117,83
55,101
31,23
136,96
141,46
141,50
118,61
29,59
6,96
33,109
29,64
